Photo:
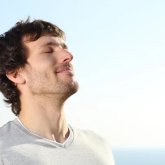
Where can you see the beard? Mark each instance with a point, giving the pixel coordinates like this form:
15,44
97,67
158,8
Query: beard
47,85
65,90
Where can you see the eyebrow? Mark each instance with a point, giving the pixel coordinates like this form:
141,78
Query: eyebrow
54,43
50,43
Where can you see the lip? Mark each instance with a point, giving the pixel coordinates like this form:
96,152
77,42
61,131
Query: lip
64,70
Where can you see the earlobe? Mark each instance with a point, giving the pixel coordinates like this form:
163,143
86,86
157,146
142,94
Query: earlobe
15,77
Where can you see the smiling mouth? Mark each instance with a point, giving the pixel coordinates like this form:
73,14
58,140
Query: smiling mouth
65,70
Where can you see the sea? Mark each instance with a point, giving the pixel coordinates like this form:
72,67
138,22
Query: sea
139,156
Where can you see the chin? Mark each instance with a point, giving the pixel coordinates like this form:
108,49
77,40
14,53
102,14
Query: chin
75,87
72,89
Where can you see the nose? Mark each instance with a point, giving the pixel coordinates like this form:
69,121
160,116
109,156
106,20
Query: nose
67,57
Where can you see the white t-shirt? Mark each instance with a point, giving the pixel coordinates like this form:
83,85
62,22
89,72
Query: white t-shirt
19,146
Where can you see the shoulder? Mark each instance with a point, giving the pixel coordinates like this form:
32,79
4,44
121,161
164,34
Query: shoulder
6,134
96,142
91,138
6,128
89,134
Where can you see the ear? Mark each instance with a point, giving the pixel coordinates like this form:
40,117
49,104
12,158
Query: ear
15,77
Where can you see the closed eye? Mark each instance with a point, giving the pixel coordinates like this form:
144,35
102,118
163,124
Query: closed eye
48,50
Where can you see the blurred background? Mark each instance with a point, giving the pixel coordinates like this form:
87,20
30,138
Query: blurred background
119,60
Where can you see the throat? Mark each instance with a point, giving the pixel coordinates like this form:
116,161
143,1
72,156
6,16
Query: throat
47,124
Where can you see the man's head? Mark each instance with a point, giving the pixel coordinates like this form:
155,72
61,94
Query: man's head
34,59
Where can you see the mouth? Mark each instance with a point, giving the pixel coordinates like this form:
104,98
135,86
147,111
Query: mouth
65,70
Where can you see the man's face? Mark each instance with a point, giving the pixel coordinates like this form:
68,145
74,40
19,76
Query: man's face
48,70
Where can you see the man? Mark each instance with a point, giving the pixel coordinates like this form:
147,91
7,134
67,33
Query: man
37,77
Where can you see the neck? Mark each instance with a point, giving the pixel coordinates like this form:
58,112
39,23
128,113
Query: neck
44,117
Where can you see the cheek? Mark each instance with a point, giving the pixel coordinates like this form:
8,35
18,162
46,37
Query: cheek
41,71
40,78
42,67
44,60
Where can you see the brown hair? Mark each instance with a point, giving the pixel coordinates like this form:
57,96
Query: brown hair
13,54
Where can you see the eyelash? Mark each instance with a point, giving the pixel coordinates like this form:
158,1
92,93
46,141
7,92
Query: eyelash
49,51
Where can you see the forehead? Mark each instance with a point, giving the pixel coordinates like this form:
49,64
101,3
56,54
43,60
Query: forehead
43,41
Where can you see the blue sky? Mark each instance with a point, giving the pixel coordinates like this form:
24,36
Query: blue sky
119,58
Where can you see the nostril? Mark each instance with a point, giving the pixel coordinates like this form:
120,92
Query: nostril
68,56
